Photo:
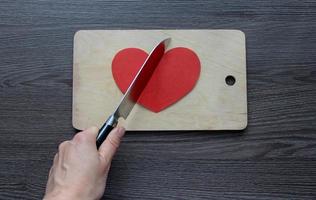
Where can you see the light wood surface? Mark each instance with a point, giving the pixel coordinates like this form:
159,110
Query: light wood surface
211,105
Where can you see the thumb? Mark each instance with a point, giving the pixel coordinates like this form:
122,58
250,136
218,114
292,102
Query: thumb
109,147
89,135
92,132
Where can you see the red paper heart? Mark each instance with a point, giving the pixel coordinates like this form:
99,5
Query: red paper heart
174,77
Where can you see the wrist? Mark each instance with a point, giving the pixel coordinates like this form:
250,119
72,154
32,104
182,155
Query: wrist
62,196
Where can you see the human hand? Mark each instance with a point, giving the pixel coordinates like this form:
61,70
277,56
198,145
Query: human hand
79,170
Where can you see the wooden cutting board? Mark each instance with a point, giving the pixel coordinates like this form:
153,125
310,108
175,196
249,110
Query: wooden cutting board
211,105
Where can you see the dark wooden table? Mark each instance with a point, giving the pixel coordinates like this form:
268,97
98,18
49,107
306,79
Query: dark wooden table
274,158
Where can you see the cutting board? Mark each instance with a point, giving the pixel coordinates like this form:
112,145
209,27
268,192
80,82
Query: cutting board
217,102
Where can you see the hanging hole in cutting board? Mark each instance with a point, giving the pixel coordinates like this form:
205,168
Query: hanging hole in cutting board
230,80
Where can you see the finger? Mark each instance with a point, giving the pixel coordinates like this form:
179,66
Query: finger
62,151
55,159
50,171
111,143
63,146
89,134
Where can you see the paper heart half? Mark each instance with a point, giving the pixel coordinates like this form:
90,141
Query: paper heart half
174,77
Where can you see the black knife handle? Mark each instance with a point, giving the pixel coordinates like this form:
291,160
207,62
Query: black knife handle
103,133
105,130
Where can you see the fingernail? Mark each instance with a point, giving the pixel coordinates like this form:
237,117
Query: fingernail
120,131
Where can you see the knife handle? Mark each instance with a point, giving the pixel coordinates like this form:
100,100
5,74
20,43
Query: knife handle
104,131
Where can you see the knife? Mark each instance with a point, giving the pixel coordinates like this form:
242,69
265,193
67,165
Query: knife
134,90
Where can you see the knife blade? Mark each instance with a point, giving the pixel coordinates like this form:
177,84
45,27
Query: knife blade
134,90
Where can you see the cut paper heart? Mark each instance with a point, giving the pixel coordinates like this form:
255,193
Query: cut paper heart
175,76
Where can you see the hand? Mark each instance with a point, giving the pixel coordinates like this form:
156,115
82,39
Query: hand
80,170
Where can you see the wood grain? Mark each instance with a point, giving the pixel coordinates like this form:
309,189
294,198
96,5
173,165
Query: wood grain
211,105
274,158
